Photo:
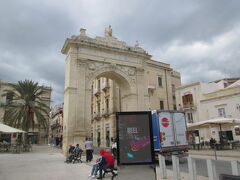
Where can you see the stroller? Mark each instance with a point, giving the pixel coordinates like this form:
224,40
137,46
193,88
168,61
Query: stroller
75,157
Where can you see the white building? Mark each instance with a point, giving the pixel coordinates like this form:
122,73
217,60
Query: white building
204,101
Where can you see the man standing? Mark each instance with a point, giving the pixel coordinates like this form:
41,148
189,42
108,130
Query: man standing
114,148
89,149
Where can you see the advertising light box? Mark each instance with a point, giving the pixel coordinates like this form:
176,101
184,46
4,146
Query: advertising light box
135,139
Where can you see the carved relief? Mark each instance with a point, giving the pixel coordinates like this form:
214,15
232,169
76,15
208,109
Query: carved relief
128,70
131,71
113,66
91,66
98,67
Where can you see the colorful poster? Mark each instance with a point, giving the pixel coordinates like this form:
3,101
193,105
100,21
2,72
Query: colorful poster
135,145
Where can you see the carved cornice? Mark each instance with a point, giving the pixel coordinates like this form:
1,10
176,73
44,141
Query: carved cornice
83,43
157,65
131,94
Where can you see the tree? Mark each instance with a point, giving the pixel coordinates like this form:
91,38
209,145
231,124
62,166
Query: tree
25,105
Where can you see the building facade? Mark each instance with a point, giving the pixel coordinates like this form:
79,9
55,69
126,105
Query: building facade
204,101
56,125
104,75
38,134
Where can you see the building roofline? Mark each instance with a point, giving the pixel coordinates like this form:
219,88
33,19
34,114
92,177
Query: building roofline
236,78
188,85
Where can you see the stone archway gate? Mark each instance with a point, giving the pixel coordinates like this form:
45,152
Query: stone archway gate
89,58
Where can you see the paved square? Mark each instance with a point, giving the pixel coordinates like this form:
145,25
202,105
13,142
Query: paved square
43,163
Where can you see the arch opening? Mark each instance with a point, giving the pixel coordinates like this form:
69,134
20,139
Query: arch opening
109,90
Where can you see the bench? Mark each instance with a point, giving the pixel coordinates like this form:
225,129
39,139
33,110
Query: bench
236,145
110,170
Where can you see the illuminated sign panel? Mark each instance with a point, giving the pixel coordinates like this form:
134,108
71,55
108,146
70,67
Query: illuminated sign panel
135,141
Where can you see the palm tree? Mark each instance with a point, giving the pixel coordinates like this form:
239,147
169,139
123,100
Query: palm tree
26,104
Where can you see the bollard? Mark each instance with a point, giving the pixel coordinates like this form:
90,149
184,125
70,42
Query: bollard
176,170
235,167
162,167
192,168
212,175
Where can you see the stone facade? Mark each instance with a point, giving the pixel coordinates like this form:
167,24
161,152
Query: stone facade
139,83
56,124
38,135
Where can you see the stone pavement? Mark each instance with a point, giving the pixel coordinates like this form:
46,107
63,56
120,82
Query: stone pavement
46,162
43,163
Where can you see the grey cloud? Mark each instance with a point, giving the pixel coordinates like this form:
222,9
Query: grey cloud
28,27
159,22
33,33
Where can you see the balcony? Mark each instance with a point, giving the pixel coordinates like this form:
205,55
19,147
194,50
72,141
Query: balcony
106,113
96,91
96,116
151,86
189,105
105,86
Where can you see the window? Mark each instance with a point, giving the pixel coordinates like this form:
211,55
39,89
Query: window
161,105
174,97
190,117
107,136
221,112
187,99
238,107
175,107
173,88
99,82
107,105
98,107
160,81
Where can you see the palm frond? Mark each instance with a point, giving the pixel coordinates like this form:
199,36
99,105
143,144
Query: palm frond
27,104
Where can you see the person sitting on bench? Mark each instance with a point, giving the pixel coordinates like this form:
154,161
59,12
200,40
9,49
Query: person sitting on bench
107,162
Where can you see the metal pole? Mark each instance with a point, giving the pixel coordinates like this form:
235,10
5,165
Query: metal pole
215,152
176,170
212,175
162,167
192,168
220,126
235,167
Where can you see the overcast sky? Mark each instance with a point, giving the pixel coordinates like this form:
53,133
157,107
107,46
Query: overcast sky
199,38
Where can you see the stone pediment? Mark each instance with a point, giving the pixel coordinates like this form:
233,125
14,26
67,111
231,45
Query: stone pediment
108,41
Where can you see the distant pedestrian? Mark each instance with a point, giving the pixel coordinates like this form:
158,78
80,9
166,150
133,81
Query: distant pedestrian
211,142
89,149
114,148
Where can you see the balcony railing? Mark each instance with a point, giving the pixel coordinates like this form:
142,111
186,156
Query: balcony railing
189,105
151,86
96,116
106,113
105,86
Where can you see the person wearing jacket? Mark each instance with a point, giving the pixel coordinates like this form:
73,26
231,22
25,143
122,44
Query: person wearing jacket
107,161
